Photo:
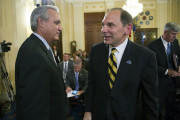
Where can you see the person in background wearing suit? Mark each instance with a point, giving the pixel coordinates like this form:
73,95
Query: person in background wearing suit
40,91
118,70
77,79
56,54
65,65
166,49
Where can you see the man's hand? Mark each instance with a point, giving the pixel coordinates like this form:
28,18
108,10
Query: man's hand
68,89
80,92
172,73
87,116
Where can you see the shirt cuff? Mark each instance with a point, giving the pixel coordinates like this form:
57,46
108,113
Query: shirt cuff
166,72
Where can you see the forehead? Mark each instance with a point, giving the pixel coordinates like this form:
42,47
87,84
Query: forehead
53,14
77,66
111,16
172,32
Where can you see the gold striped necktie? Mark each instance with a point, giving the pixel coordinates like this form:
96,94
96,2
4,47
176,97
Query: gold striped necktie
112,67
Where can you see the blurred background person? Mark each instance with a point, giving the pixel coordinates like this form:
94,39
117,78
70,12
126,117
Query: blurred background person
168,59
65,65
56,54
77,79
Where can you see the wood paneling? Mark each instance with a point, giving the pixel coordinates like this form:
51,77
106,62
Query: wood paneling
93,25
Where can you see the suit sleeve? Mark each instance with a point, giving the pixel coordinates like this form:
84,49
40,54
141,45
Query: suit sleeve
91,85
68,79
160,67
149,88
33,87
177,51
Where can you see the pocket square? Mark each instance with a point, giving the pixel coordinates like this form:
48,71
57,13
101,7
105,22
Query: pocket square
128,62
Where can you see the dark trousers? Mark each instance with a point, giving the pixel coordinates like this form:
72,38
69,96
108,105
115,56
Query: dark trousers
170,105
168,108
77,111
76,108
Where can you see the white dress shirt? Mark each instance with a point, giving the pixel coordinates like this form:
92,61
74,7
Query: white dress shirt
120,51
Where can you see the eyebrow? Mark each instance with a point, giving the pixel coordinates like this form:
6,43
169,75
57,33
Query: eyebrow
57,21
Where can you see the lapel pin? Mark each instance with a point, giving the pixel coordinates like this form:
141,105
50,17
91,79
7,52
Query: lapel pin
128,62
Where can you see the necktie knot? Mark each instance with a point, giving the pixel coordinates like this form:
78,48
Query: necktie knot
76,74
113,50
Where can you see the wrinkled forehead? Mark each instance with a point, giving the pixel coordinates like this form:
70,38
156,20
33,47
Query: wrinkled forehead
113,15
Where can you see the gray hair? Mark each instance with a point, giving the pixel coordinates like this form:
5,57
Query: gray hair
125,17
77,62
171,26
41,12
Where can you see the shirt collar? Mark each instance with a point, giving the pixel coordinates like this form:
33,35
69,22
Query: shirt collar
43,40
164,42
119,48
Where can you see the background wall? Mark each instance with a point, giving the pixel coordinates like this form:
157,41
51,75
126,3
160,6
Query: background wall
15,27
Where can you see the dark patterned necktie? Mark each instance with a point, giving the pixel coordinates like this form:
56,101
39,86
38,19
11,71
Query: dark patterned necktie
77,81
65,67
112,67
77,84
169,56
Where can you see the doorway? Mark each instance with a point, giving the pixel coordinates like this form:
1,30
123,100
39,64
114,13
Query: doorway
93,25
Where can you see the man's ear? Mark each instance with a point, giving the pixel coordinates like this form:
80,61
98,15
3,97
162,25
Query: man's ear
40,22
129,28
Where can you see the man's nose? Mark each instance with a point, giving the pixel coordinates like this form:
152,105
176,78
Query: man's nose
104,29
60,28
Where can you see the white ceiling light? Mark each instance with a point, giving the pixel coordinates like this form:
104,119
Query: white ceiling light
133,7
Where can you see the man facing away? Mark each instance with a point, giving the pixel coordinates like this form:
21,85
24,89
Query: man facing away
40,91
118,70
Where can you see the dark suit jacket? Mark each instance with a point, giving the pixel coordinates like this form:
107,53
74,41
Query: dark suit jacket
40,92
57,57
83,79
159,49
137,71
61,65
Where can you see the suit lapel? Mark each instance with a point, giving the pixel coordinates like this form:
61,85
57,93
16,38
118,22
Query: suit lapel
125,65
74,77
105,70
50,56
161,47
41,44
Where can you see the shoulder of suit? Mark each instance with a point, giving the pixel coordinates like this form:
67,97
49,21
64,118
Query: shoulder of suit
32,44
139,48
100,46
155,42
83,71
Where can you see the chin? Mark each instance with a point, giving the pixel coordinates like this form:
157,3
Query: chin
107,42
57,38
